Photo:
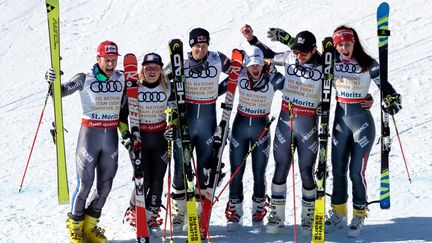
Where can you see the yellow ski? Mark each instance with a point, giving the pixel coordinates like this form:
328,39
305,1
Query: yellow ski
52,7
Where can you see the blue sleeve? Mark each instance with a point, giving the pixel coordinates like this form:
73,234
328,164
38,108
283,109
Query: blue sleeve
375,76
225,62
268,53
223,87
278,81
75,84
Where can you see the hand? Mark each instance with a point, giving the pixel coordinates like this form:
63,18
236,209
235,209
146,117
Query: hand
169,134
131,141
319,109
247,32
50,76
393,104
367,102
276,34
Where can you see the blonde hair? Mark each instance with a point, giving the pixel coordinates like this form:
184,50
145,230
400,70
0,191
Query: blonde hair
163,80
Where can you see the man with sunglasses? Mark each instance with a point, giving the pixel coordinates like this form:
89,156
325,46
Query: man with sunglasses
301,98
102,92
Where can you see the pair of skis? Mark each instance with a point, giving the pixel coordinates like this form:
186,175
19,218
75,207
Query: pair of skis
383,33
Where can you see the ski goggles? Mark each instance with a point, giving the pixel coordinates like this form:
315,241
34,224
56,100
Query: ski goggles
301,53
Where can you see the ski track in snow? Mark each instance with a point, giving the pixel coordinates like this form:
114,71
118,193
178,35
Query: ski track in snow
147,26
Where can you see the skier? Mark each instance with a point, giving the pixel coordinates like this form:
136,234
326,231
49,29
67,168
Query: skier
101,91
256,85
202,71
353,129
302,90
302,94
153,96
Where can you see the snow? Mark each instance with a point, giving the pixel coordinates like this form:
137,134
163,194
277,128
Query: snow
145,26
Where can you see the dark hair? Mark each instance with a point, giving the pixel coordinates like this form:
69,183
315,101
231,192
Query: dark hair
365,61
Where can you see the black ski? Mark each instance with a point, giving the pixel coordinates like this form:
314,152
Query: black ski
321,173
177,63
383,34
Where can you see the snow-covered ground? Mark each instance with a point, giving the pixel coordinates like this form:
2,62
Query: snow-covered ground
146,26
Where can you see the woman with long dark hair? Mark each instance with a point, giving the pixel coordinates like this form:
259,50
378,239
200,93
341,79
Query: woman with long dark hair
353,128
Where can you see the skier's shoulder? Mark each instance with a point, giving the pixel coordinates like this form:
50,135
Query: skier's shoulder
217,55
78,78
118,75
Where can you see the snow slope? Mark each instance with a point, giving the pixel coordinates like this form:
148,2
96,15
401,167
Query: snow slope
145,26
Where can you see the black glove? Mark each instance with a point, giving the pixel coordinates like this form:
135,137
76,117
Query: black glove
393,104
131,141
276,34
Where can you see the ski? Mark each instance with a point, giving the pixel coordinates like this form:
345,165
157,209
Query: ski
214,169
131,78
321,173
177,63
52,7
383,34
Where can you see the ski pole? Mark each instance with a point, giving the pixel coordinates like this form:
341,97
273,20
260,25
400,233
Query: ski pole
264,131
290,106
400,145
169,112
35,136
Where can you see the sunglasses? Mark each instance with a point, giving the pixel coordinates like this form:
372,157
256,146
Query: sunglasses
301,53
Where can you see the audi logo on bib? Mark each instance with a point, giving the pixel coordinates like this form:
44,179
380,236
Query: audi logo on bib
304,72
348,68
244,84
152,96
106,87
209,72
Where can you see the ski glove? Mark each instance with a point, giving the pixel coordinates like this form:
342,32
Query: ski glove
169,134
276,34
50,76
393,104
131,141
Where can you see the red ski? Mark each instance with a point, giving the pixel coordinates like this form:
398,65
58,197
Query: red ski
131,78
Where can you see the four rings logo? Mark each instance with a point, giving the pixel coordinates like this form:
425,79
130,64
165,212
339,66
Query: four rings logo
152,96
209,72
304,72
348,68
105,87
244,84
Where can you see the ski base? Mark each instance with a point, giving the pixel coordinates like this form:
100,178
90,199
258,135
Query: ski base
319,220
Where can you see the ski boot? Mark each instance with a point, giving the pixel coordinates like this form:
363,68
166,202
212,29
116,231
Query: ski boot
357,221
130,217
178,209
337,218
154,221
92,232
234,213
307,215
75,229
259,211
276,216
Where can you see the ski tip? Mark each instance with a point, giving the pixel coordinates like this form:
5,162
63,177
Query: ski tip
383,9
